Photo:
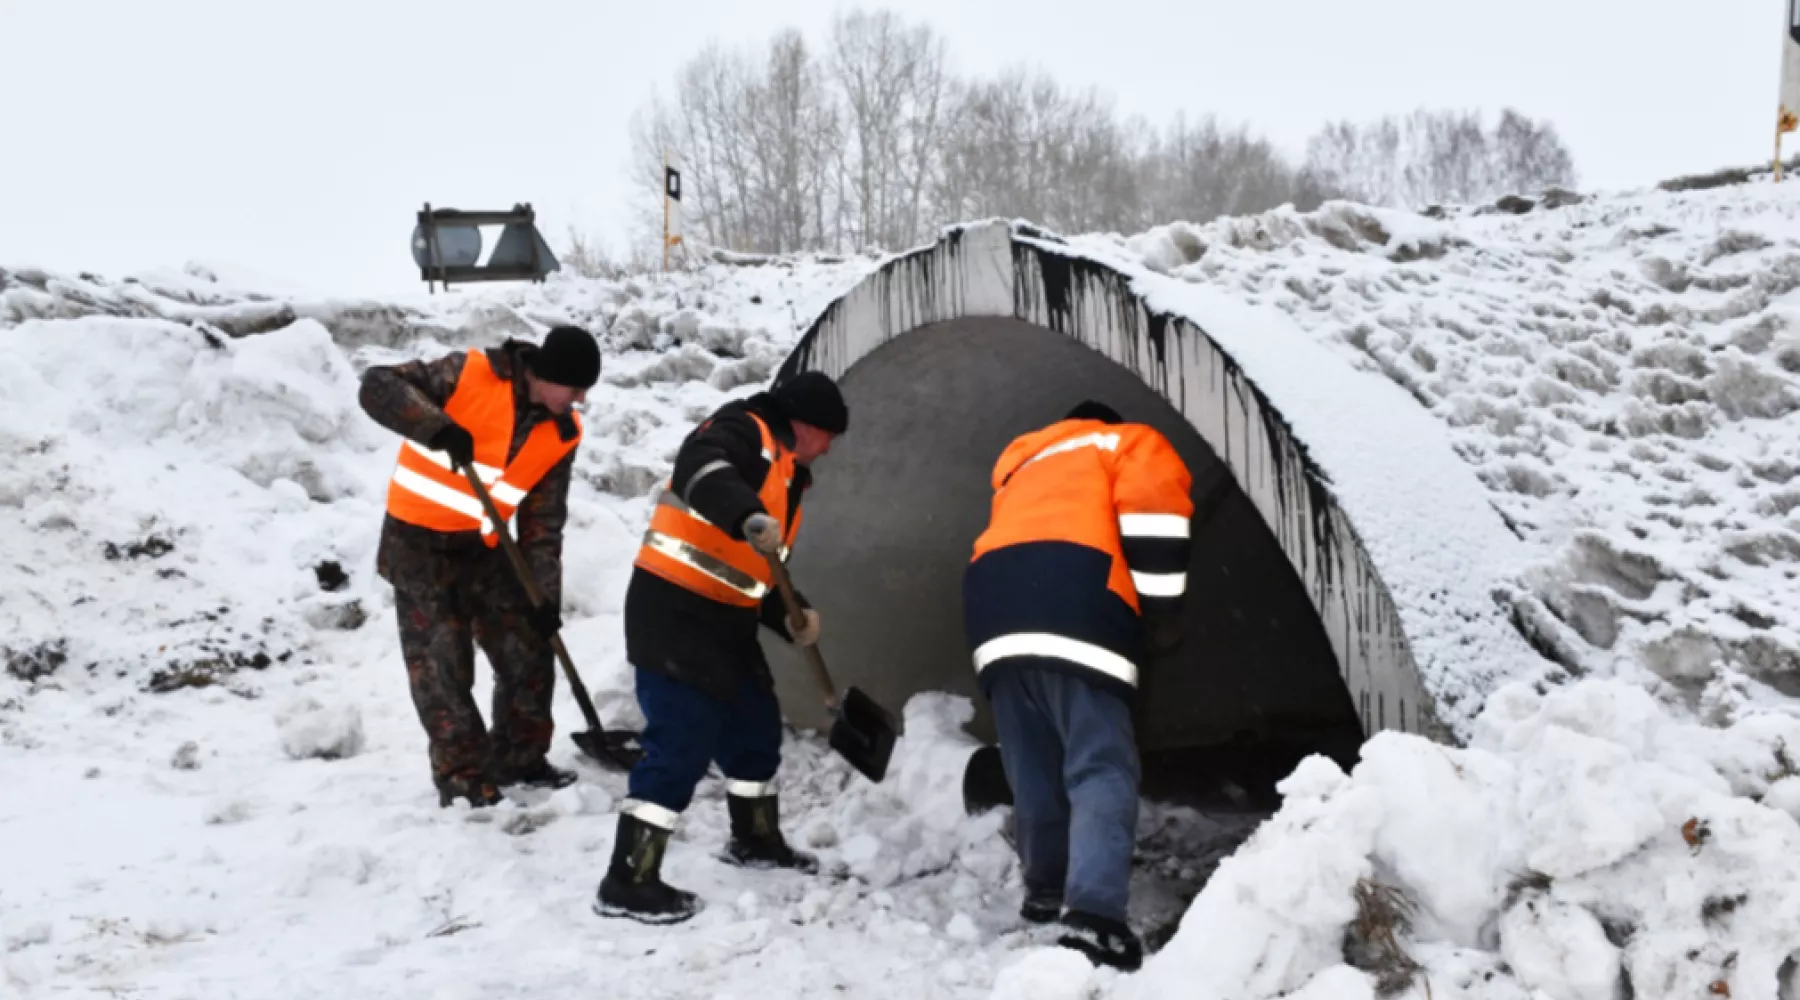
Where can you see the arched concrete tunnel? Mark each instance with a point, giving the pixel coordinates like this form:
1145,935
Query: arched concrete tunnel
1294,641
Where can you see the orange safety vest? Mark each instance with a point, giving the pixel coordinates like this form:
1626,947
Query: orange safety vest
1093,484
427,492
688,550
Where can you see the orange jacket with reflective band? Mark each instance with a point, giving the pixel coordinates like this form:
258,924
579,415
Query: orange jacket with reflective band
1093,484
692,552
425,491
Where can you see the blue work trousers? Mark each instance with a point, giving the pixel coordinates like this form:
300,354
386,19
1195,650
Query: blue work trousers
686,729
1071,758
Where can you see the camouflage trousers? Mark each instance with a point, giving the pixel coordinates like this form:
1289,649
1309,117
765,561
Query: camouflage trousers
476,603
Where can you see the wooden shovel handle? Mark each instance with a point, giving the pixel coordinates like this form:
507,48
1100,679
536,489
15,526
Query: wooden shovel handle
797,621
538,598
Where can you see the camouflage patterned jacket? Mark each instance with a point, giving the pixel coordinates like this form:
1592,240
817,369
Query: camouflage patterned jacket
408,399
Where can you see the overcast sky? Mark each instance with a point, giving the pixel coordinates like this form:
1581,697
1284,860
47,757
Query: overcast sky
298,138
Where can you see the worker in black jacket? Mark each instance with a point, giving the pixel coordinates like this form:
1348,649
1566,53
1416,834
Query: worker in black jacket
701,587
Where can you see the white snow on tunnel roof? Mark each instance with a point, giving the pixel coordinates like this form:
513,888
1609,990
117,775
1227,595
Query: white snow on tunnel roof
1432,551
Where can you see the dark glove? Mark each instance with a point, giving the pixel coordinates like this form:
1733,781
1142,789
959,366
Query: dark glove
545,620
456,442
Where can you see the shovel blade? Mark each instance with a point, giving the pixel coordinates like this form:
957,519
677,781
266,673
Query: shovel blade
863,733
612,749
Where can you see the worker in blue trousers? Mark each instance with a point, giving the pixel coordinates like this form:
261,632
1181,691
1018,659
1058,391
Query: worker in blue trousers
1080,572
700,591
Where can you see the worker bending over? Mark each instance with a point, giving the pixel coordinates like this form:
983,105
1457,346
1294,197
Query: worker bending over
1083,565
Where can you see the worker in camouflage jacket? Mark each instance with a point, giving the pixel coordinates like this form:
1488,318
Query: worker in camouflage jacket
508,413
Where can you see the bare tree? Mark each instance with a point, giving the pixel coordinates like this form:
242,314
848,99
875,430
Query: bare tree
870,140
1448,159
893,81
755,147
1432,157
1020,146
784,116
704,124
1361,162
1530,155
1201,170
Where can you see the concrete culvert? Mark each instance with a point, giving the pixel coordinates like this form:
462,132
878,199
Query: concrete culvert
1343,577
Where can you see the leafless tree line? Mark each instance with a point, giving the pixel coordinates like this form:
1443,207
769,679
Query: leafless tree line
1438,157
870,140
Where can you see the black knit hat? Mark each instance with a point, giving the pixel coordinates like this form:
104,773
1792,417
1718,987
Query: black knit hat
813,398
569,357
1091,409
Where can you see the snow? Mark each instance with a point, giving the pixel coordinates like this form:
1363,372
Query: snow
1441,552
216,785
1569,812
309,729
1622,374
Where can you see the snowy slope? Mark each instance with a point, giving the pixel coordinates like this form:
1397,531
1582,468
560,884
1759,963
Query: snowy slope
216,786
1624,375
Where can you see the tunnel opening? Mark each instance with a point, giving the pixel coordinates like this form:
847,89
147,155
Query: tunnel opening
892,520
1349,571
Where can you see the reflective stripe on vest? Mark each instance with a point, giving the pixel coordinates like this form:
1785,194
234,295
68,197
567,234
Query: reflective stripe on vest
1056,647
427,492
686,549
1104,442
1113,489
693,557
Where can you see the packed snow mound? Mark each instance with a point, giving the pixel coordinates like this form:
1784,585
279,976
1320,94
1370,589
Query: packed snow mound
1624,376
185,455
309,729
1586,840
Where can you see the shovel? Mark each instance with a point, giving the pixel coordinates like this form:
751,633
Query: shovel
615,750
862,731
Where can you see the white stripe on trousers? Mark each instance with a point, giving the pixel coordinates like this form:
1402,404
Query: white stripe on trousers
651,813
750,789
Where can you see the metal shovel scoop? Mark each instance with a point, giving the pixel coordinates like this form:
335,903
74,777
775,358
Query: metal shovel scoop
862,731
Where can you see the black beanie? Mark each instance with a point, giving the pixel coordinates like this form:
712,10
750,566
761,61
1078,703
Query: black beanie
813,398
1090,409
569,357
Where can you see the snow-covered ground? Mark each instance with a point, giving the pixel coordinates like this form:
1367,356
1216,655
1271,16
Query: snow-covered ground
1624,376
216,787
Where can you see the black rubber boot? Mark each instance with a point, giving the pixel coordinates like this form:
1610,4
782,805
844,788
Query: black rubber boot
541,774
1040,909
756,840
473,788
1103,941
633,886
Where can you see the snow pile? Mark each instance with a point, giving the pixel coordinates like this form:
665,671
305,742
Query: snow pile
309,729
1585,836
170,493
1623,374
182,478
1048,974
